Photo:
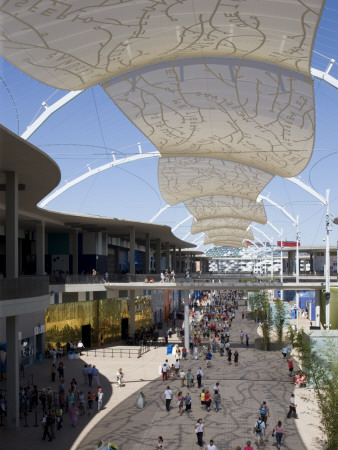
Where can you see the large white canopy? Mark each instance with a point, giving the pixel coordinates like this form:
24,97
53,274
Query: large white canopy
75,45
222,89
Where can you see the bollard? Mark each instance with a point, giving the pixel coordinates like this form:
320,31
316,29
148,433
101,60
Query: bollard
36,420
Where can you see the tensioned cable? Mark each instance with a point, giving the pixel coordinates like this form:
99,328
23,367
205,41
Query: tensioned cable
100,126
14,104
321,159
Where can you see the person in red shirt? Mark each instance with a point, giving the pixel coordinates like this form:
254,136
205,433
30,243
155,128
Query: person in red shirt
290,364
248,446
207,400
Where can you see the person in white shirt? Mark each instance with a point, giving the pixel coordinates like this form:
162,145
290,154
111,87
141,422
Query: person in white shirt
165,368
177,367
119,376
211,446
168,396
259,430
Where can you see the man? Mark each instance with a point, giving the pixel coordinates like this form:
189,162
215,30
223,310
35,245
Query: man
80,347
90,374
187,400
182,377
216,387
259,430
119,376
177,367
199,376
242,337
247,340
211,446
165,369
99,399
168,396
292,408
96,375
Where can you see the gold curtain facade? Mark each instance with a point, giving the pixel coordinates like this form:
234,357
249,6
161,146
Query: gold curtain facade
64,321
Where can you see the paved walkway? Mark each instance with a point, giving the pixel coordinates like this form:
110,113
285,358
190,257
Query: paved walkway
259,376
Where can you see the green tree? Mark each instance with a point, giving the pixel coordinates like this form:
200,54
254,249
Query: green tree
279,318
260,306
321,371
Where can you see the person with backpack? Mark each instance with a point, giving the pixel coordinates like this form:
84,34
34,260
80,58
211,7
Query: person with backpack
264,412
259,431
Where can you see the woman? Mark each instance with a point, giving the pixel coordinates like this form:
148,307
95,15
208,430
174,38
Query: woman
207,400
73,412
190,378
279,430
217,399
199,429
160,444
172,372
236,358
180,402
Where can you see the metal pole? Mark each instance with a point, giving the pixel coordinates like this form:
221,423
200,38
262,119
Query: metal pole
327,264
271,259
186,319
297,269
281,265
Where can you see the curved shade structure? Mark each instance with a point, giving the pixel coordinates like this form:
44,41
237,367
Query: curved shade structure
210,207
199,226
75,45
225,241
230,232
242,111
182,178
222,89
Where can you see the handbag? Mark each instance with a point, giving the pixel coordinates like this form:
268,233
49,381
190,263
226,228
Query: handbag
196,430
273,433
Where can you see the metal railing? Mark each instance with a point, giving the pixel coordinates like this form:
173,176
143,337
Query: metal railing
118,352
23,287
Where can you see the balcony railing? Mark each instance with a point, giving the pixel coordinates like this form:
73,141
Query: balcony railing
23,287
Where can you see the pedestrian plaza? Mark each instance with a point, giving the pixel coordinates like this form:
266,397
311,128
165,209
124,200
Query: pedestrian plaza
259,376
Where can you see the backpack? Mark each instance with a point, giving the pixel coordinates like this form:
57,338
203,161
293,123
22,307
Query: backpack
259,426
263,411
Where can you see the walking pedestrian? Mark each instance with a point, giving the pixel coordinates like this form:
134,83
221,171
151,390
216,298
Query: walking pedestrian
211,446
73,413
119,377
259,431
187,400
207,400
99,399
165,368
242,337
190,379
182,377
290,364
292,408
96,376
61,370
247,340
236,358
248,446
46,423
279,432
90,374
264,411
217,400
180,401
168,394
229,356
85,373
199,430
159,444
177,367
199,377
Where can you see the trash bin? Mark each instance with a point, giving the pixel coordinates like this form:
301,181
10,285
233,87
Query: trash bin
170,349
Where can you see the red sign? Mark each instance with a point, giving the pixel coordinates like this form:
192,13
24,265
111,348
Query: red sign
288,244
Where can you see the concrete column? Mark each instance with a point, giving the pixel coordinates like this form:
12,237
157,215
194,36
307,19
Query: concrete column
186,319
167,255
158,256
132,251
40,248
147,254
174,258
180,259
317,303
12,250
13,412
132,314
74,248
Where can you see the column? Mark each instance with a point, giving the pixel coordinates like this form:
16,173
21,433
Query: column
158,256
167,255
186,319
40,248
179,260
74,248
317,303
13,412
132,314
132,251
12,250
147,254
174,258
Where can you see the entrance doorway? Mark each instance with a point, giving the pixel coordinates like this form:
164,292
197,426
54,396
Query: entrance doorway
86,335
125,328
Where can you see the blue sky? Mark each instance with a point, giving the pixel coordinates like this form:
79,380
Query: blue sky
90,128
